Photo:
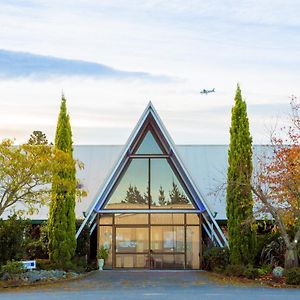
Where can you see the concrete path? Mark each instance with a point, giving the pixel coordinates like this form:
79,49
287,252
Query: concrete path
122,285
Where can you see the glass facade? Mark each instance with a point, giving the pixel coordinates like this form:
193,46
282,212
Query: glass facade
149,183
149,145
154,241
163,239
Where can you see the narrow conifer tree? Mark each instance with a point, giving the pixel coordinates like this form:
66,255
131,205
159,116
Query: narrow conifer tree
240,221
62,227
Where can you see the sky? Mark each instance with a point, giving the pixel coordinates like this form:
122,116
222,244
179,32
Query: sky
110,58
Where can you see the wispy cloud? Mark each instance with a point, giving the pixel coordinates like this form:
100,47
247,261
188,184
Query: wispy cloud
15,64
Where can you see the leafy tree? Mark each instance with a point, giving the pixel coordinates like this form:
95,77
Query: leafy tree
242,236
25,174
62,227
277,185
38,138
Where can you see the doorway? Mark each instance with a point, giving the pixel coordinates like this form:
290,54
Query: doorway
159,241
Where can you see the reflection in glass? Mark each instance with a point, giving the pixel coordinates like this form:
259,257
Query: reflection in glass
167,218
149,145
131,218
105,219
192,219
167,261
166,190
192,247
105,239
167,238
132,190
132,240
131,260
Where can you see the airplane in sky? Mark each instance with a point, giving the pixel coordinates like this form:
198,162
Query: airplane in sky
204,91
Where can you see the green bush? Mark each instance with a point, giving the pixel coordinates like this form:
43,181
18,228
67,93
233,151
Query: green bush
292,276
251,272
216,258
235,270
83,241
37,246
12,268
44,264
102,253
264,269
12,238
273,252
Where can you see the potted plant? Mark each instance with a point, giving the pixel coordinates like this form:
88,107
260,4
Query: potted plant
102,254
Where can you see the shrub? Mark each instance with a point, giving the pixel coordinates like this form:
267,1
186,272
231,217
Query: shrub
37,247
251,272
12,238
216,258
273,252
12,268
102,253
292,276
235,270
83,241
44,264
264,269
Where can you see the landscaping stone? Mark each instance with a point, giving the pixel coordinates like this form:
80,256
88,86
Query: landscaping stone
278,272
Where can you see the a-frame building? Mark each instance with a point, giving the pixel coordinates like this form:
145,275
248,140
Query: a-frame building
149,213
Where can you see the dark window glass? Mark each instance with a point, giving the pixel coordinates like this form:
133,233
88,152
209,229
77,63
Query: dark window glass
131,192
166,190
149,145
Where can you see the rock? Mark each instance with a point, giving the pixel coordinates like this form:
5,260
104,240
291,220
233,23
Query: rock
278,272
5,276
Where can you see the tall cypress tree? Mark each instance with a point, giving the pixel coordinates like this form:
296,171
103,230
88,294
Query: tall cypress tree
62,227
242,236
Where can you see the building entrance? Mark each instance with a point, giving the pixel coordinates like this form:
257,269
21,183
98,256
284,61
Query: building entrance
151,241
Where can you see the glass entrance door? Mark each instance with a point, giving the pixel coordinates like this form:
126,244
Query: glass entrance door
131,247
151,241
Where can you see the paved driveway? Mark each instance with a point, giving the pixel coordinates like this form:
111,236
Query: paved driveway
131,285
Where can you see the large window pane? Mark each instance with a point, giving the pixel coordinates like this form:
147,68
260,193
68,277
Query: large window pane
131,219
131,191
132,260
167,261
167,238
149,145
105,239
132,240
168,219
106,219
192,219
166,190
192,247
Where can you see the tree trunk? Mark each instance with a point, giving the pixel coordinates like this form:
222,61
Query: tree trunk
291,258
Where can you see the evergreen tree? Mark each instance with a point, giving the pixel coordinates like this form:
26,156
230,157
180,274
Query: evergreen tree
161,197
62,227
176,196
38,138
240,221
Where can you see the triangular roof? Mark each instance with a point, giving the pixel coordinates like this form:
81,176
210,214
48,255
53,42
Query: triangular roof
209,224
